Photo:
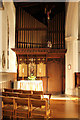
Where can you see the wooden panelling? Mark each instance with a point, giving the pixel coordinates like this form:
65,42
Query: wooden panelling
38,54
55,76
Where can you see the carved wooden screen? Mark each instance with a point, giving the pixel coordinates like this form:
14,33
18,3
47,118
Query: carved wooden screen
31,66
41,70
23,70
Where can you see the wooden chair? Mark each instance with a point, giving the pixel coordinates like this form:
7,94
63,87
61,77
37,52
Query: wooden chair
35,96
22,108
4,94
8,107
8,89
41,97
38,92
39,108
27,91
17,90
12,94
22,95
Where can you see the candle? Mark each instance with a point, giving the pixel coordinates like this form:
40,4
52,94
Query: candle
40,70
23,70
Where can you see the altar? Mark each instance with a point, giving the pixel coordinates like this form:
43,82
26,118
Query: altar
36,85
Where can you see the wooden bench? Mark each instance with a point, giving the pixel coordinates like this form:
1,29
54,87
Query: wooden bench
22,107
8,90
18,90
8,107
15,107
38,92
39,108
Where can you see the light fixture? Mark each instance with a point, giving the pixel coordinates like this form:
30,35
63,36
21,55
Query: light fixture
69,66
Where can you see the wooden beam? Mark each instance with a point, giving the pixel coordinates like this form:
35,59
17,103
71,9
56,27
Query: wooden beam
50,53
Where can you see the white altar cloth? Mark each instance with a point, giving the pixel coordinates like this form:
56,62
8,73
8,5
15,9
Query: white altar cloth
36,85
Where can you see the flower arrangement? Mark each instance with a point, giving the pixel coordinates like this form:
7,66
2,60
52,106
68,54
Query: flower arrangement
32,77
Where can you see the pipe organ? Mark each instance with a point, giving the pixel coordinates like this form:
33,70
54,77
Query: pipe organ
30,33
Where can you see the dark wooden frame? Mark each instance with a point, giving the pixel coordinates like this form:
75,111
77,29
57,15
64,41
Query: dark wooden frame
77,79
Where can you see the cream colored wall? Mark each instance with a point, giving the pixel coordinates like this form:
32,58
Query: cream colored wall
79,55
7,74
71,42
9,10
72,59
0,39
79,36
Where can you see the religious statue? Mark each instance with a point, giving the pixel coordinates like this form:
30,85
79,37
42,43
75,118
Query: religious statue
32,70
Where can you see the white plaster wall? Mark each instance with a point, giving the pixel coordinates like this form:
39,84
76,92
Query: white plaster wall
0,40
71,42
9,10
72,59
0,47
71,23
7,74
79,37
4,37
79,55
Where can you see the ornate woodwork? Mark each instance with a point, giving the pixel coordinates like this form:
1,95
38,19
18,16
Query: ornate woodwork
54,53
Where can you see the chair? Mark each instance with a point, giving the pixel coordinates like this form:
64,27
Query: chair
8,89
22,107
4,94
22,95
17,90
35,96
27,91
8,107
39,108
38,92
12,94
